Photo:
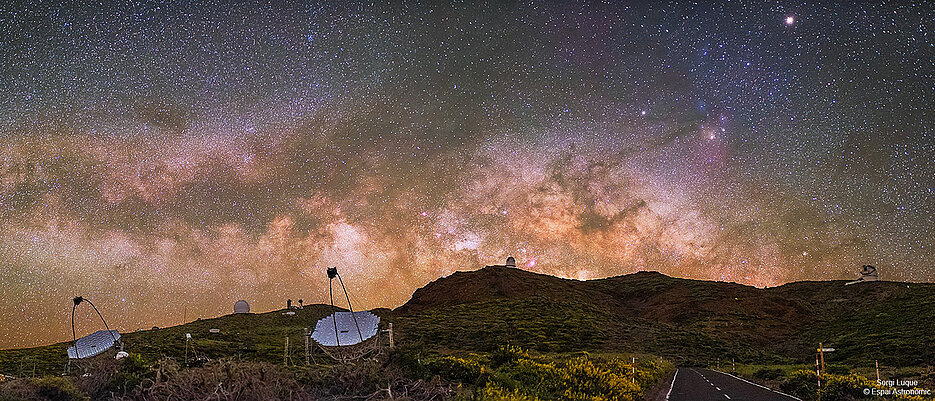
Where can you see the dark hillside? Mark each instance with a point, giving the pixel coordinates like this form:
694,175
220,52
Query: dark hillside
682,319
686,321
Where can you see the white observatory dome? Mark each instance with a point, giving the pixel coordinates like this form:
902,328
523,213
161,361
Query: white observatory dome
241,306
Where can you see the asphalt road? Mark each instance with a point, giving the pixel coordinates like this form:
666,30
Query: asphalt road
694,384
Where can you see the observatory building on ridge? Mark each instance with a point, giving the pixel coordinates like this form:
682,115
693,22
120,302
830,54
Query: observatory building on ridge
867,273
510,262
241,306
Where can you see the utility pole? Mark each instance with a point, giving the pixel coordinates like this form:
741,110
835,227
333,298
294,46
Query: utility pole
878,368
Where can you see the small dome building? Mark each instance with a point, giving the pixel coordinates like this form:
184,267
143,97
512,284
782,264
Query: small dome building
241,306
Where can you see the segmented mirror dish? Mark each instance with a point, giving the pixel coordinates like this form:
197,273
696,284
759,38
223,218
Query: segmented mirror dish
347,331
93,344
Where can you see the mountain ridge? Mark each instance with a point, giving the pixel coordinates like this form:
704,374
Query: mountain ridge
781,323
688,321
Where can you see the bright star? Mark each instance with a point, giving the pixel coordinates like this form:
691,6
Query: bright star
790,20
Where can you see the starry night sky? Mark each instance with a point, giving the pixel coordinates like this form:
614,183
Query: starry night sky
166,160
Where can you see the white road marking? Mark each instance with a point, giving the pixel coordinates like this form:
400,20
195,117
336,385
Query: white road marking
671,386
758,385
726,396
717,388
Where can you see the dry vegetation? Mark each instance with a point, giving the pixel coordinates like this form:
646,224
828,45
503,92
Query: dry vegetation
508,373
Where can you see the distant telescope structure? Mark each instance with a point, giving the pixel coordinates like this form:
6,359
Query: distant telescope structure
867,273
346,336
94,344
241,306
91,349
341,328
510,262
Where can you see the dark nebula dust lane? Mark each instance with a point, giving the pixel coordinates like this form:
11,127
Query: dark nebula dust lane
166,160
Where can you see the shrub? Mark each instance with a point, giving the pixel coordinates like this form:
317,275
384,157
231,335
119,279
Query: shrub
409,362
649,371
514,374
529,373
801,383
837,370
493,392
465,370
583,380
224,380
804,384
115,377
507,354
844,387
769,374
58,389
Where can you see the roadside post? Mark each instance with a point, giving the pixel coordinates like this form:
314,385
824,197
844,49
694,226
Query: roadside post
821,351
633,370
818,373
820,355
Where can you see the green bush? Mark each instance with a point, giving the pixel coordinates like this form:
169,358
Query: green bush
58,389
837,370
582,379
132,372
409,361
492,392
804,384
769,374
512,373
507,354
527,373
462,369
845,387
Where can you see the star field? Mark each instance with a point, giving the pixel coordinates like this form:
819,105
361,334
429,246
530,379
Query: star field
166,159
